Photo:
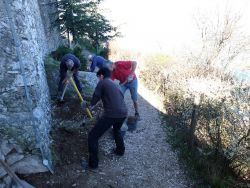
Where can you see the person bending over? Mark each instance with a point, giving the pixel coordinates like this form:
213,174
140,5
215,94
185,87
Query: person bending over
115,112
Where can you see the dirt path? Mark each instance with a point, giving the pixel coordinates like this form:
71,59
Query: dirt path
148,161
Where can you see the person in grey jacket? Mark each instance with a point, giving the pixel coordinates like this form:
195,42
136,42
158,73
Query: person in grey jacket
115,113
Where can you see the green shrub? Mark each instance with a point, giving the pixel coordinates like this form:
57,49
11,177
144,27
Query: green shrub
77,51
219,144
152,70
60,52
86,44
104,52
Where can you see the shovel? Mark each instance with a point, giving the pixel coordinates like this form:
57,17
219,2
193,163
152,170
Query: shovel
80,96
64,90
78,93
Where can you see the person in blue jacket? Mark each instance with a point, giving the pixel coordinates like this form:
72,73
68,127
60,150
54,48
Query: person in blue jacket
98,61
71,63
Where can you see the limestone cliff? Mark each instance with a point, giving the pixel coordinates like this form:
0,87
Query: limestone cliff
25,38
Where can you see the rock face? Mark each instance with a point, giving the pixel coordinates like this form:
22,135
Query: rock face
25,39
17,162
89,81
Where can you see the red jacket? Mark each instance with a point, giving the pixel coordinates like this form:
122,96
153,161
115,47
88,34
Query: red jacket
122,70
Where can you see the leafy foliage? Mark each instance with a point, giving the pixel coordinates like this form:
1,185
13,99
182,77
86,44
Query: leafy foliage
80,18
60,52
100,30
77,51
208,108
152,71
221,136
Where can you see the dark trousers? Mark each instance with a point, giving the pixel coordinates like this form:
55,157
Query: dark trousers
102,125
63,74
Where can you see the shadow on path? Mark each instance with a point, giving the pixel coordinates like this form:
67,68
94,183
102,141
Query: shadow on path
149,160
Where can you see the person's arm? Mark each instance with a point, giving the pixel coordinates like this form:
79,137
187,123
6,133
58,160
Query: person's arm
92,66
134,64
75,70
97,94
113,75
132,72
69,74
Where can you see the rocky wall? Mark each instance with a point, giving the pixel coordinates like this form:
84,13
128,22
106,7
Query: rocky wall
24,94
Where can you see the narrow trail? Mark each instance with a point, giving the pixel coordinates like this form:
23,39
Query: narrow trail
149,160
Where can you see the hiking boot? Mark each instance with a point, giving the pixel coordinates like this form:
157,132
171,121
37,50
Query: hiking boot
87,167
117,153
137,116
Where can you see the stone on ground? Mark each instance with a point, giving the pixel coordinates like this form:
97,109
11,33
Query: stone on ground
13,158
6,147
29,165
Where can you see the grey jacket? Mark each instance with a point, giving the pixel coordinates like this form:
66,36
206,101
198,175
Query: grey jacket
112,99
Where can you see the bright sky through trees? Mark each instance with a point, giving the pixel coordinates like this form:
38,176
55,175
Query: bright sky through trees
166,25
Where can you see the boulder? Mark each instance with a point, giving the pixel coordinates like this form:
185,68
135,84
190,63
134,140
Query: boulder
13,158
6,147
2,155
16,146
29,165
2,172
26,184
8,181
90,78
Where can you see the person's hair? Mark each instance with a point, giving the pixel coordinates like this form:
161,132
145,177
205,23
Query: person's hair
69,64
105,72
90,57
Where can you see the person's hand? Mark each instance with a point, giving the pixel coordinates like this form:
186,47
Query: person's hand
130,78
69,74
85,104
117,82
65,81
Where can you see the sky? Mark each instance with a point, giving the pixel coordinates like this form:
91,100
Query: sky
165,25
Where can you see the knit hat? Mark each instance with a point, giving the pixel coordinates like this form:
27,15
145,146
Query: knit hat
69,64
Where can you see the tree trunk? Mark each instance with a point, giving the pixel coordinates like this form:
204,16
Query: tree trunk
193,127
68,39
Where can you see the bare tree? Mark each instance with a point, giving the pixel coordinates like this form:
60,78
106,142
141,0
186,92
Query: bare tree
222,39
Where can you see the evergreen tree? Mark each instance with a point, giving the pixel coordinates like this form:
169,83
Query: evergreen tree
100,30
80,18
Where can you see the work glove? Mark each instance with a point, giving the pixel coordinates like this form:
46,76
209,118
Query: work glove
69,74
85,105
117,82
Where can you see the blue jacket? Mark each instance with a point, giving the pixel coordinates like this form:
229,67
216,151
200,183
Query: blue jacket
97,61
73,58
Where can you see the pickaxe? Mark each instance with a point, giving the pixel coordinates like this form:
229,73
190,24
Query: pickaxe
78,93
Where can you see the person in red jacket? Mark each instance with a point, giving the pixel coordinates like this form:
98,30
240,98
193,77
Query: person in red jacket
124,71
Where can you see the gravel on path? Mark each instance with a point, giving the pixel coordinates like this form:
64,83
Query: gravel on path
149,160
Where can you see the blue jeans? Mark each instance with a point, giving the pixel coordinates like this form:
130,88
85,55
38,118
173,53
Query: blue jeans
132,86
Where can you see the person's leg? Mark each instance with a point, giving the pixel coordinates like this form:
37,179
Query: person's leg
102,125
77,81
63,74
123,88
133,86
120,148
